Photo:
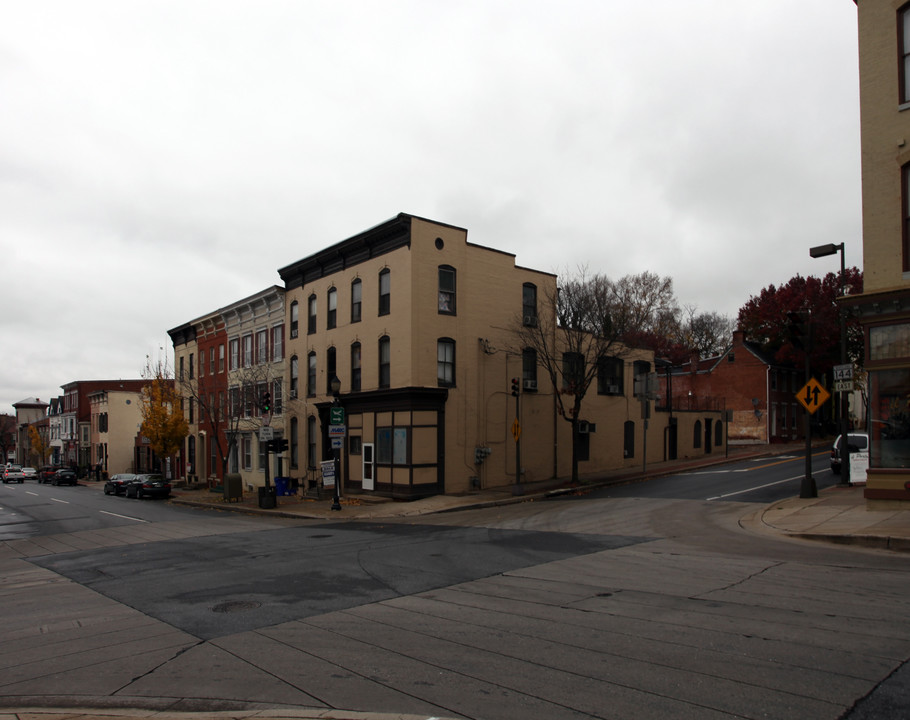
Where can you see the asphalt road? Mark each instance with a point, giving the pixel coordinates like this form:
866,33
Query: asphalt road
658,599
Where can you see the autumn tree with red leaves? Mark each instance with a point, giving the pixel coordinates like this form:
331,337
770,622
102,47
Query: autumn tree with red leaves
764,318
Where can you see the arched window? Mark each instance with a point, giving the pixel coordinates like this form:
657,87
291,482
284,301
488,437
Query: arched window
385,291
294,443
355,367
295,311
311,458
311,315
332,312
446,290
311,374
330,368
356,300
529,304
295,369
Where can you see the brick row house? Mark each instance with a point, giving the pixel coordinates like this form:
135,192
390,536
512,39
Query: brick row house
758,393
417,325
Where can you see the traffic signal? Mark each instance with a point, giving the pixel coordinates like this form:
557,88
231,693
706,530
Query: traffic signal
266,403
798,329
516,386
277,445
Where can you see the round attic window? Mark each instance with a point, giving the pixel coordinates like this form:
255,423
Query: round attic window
439,244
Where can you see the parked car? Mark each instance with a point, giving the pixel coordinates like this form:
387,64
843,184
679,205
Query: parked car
148,486
30,473
859,442
13,473
116,484
46,474
64,476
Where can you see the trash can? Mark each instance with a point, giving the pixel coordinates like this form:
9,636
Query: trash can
281,486
233,487
267,499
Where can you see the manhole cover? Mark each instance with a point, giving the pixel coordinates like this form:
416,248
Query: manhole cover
236,606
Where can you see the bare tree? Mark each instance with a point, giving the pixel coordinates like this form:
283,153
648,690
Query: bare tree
226,414
587,322
707,333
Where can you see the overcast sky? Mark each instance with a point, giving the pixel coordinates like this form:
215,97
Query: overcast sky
162,159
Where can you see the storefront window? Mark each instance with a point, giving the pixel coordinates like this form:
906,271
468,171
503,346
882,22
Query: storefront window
889,418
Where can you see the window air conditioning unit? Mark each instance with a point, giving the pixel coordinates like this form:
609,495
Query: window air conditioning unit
583,428
293,394
530,320
530,385
613,389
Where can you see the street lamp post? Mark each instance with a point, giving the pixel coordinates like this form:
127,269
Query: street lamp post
824,251
335,384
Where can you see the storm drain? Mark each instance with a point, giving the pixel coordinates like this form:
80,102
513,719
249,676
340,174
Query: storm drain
235,606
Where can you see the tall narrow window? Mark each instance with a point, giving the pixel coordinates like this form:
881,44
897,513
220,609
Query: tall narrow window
356,300
311,374
445,362
235,353
295,311
609,376
446,290
192,363
248,350
295,369
262,347
311,315
311,442
355,367
905,210
385,362
529,304
295,443
903,29
211,361
221,358
332,312
330,368
385,292
278,343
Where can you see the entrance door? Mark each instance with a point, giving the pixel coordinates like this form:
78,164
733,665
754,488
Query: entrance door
368,467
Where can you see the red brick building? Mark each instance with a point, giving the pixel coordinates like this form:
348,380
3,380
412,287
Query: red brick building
758,394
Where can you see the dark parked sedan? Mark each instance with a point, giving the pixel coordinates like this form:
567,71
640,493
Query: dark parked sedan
148,486
65,476
116,484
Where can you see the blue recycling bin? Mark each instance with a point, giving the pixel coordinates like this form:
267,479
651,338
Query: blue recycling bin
281,486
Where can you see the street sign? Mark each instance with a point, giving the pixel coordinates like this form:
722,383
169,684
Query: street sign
328,473
843,372
336,431
516,430
266,433
336,415
812,395
843,385
337,443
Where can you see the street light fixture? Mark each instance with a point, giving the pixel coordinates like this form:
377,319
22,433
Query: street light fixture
335,385
824,251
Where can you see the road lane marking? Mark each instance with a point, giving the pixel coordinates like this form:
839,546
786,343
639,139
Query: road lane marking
757,487
29,492
65,502
125,517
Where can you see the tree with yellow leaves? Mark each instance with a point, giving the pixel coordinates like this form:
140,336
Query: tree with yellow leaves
163,422
39,449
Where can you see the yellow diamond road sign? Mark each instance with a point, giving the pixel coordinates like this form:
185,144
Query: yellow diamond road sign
516,430
812,395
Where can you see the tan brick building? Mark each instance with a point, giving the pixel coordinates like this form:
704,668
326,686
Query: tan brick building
884,306
418,324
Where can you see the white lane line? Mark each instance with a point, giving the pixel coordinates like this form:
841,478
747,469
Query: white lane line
29,492
757,487
125,517
65,502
